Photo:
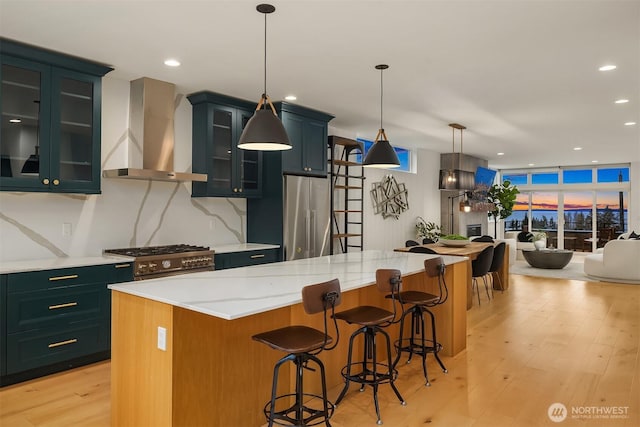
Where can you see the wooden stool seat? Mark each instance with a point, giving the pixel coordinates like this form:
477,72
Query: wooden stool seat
365,315
417,297
294,339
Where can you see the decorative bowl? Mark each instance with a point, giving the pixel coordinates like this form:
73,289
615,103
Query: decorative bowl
455,243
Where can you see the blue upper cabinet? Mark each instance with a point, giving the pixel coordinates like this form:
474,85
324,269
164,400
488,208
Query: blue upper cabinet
307,130
50,136
218,121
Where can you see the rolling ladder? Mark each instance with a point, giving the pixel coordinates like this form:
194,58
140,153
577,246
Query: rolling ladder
347,194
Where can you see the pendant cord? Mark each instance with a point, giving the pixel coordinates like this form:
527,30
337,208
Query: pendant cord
265,57
453,146
381,94
460,141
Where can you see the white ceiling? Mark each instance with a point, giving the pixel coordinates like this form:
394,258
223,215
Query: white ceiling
521,75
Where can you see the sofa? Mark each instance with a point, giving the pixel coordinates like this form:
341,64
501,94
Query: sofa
616,262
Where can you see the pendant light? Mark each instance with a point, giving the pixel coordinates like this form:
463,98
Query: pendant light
381,154
264,130
454,178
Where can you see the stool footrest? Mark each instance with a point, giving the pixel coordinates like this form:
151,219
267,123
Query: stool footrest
416,348
292,420
368,376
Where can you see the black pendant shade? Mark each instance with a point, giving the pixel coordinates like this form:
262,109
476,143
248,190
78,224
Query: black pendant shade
32,165
264,131
381,154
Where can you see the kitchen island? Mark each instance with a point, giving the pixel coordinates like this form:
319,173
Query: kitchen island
209,370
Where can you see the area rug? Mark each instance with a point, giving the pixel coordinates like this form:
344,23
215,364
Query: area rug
573,271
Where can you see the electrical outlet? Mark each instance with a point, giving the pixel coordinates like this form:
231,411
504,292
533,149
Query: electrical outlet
67,229
162,338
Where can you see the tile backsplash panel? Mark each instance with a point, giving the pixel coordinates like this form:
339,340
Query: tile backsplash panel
128,212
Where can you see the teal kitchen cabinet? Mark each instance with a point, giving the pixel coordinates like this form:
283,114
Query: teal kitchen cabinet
246,258
51,114
56,319
307,131
218,121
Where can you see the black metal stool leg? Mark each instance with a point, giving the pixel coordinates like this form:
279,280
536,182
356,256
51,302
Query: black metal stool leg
391,372
423,348
400,340
436,346
348,368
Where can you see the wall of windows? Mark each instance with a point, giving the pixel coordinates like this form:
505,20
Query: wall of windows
578,208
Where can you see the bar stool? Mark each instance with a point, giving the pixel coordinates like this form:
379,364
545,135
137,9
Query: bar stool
303,344
418,343
372,320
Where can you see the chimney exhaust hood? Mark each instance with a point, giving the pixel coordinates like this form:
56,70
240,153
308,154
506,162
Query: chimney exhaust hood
151,112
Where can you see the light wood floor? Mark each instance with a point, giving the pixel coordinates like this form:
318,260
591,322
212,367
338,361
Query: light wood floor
543,341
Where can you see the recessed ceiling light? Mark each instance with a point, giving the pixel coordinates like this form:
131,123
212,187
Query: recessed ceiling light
532,164
172,63
577,148
594,161
607,68
500,154
621,101
290,97
15,121
630,123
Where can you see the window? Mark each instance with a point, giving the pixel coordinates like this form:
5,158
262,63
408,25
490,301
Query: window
544,178
404,155
577,176
516,178
613,175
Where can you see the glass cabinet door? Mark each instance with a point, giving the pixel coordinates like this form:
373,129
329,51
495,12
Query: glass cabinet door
221,162
75,153
248,161
24,146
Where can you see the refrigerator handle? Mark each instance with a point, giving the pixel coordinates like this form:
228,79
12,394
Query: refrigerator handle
307,221
312,240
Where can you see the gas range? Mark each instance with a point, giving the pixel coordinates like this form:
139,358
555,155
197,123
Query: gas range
160,261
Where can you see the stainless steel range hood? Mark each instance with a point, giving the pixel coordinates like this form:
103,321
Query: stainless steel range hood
151,112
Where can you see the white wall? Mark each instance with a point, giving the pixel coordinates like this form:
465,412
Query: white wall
127,213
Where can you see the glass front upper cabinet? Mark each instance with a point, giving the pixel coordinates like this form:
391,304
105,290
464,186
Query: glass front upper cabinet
50,131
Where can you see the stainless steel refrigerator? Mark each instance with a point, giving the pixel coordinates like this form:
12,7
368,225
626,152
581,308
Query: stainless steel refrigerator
307,219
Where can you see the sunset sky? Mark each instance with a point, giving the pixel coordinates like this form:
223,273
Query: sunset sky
572,200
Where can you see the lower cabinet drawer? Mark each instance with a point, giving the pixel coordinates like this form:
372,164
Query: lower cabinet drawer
32,310
243,259
27,350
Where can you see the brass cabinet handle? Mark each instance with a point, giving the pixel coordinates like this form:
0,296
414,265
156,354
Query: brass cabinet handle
240,190
45,181
71,276
235,190
58,344
123,265
68,304
257,256
56,181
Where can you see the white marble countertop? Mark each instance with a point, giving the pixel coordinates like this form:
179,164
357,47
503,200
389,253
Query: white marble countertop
239,292
242,247
7,267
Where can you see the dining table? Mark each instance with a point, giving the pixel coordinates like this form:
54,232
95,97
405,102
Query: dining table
470,250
